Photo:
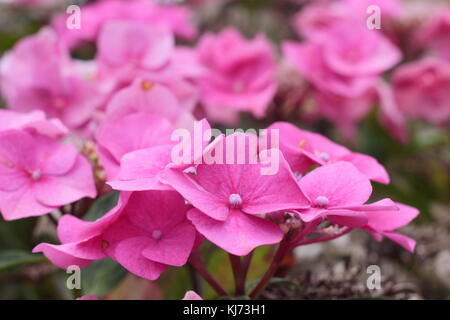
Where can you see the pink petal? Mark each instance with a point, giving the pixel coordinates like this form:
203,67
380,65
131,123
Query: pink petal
174,247
369,166
140,170
59,257
406,242
341,183
74,185
239,234
389,220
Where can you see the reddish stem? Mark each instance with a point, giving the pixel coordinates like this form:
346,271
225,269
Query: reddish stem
197,263
238,273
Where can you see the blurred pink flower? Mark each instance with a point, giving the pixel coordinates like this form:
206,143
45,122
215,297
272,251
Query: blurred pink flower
421,90
62,93
38,175
347,60
127,47
243,79
33,122
173,17
435,34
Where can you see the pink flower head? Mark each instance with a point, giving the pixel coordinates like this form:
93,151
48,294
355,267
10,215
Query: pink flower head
318,18
94,16
145,96
435,35
338,189
343,111
145,232
33,122
303,149
421,90
383,223
142,130
229,197
62,93
126,47
346,61
38,175
243,79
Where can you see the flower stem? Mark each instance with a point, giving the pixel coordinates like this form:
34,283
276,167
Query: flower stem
196,262
238,273
281,252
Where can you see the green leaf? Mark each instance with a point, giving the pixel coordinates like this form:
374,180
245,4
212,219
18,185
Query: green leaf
101,277
16,258
102,206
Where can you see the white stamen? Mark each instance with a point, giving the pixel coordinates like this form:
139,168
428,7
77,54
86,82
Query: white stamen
324,156
36,174
235,200
191,170
321,201
156,234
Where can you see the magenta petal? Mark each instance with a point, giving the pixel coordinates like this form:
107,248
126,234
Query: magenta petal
347,218
59,257
341,183
369,166
197,196
388,220
140,170
72,186
129,254
239,234
406,242
21,203
72,229
174,247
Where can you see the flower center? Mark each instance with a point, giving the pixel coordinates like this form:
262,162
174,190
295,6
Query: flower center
36,174
321,201
235,200
156,234
147,85
324,156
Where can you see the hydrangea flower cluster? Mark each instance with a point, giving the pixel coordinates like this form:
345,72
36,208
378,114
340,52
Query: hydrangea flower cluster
142,86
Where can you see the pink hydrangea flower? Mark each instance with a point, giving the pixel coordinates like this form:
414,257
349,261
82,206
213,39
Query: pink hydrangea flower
33,122
113,141
127,47
144,233
229,197
342,192
346,61
435,35
173,17
243,79
62,93
38,175
145,96
303,149
421,90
